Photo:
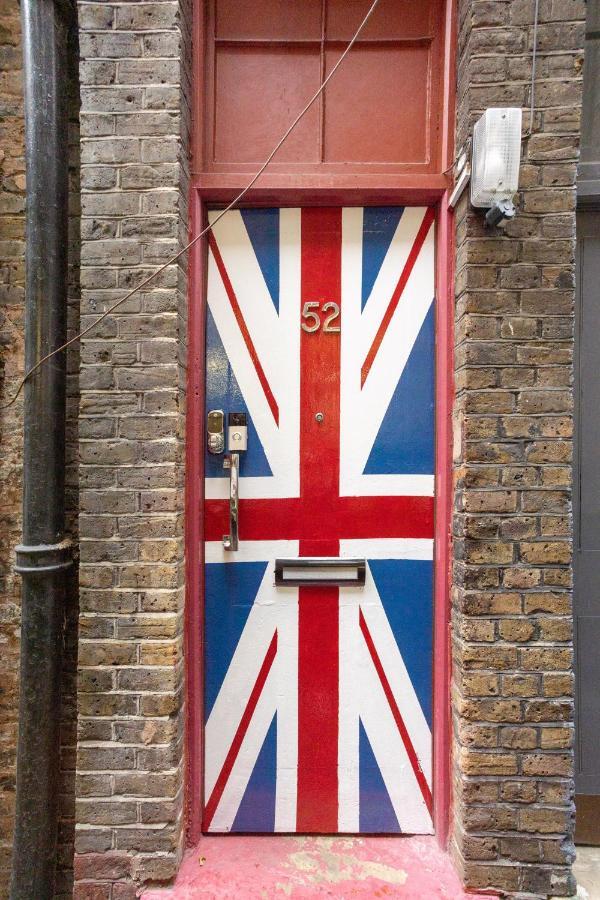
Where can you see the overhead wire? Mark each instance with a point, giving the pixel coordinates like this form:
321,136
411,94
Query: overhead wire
536,16
173,259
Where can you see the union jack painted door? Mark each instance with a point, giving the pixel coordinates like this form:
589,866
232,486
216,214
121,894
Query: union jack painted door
318,699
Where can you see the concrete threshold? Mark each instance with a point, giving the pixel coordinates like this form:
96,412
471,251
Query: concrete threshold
246,867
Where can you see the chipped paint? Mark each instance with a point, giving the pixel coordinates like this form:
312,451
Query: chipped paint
306,867
326,865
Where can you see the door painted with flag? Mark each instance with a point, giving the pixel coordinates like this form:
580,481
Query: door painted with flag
318,700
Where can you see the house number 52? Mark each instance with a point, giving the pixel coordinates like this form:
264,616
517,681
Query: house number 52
312,319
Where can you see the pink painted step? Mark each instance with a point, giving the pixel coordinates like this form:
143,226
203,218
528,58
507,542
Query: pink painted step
247,867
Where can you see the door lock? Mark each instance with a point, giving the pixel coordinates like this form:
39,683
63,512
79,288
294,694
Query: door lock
215,427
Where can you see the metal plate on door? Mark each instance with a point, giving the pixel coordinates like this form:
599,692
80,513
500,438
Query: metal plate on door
320,571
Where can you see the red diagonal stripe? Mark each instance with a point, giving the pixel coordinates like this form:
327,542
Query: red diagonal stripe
408,745
406,271
215,797
243,327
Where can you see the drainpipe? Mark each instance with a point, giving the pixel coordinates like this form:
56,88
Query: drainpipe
44,555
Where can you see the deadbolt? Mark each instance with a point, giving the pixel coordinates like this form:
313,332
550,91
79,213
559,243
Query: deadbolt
215,427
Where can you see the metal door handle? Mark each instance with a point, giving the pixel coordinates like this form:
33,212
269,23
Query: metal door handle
232,462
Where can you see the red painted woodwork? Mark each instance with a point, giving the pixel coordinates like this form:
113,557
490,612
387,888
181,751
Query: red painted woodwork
444,330
258,91
322,189
263,59
240,20
399,20
389,118
194,545
322,183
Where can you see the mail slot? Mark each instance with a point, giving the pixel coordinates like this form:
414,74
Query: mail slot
320,571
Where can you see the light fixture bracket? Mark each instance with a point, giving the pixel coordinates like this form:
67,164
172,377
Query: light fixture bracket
499,211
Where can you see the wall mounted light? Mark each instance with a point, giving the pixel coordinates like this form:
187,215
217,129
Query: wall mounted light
495,163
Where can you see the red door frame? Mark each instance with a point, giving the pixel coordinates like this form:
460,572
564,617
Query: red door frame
301,191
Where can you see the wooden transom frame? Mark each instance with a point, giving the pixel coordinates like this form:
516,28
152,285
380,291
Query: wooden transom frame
258,61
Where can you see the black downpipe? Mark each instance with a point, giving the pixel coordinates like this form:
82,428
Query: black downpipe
45,554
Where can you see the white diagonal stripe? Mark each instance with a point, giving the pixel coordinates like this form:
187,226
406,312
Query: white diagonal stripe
362,409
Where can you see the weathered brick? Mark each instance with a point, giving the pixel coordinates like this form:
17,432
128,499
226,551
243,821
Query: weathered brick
476,763
513,370
544,820
135,63
512,526
105,866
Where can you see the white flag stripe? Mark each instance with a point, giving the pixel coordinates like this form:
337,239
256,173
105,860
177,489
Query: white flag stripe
252,551
373,548
286,665
397,674
277,698
363,409
242,365
276,339
266,487
239,681
387,548
398,342
252,294
348,734
389,750
243,766
288,373
362,697
388,276
386,485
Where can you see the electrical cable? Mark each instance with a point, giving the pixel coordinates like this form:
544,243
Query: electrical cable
204,231
536,16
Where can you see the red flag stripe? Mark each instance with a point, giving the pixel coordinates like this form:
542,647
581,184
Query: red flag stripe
215,797
346,517
408,745
405,275
318,617
243,327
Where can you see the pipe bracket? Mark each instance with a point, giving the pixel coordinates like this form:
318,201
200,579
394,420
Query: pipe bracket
40,558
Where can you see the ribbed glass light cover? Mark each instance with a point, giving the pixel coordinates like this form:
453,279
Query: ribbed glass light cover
496,156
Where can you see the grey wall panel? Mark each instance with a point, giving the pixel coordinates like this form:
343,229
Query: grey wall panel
589,385
588,692
587,502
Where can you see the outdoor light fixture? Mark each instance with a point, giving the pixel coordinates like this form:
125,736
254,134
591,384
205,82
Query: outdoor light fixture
495,163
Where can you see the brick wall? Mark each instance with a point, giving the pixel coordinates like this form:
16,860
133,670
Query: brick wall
511,628
134,74
512,686
12,296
